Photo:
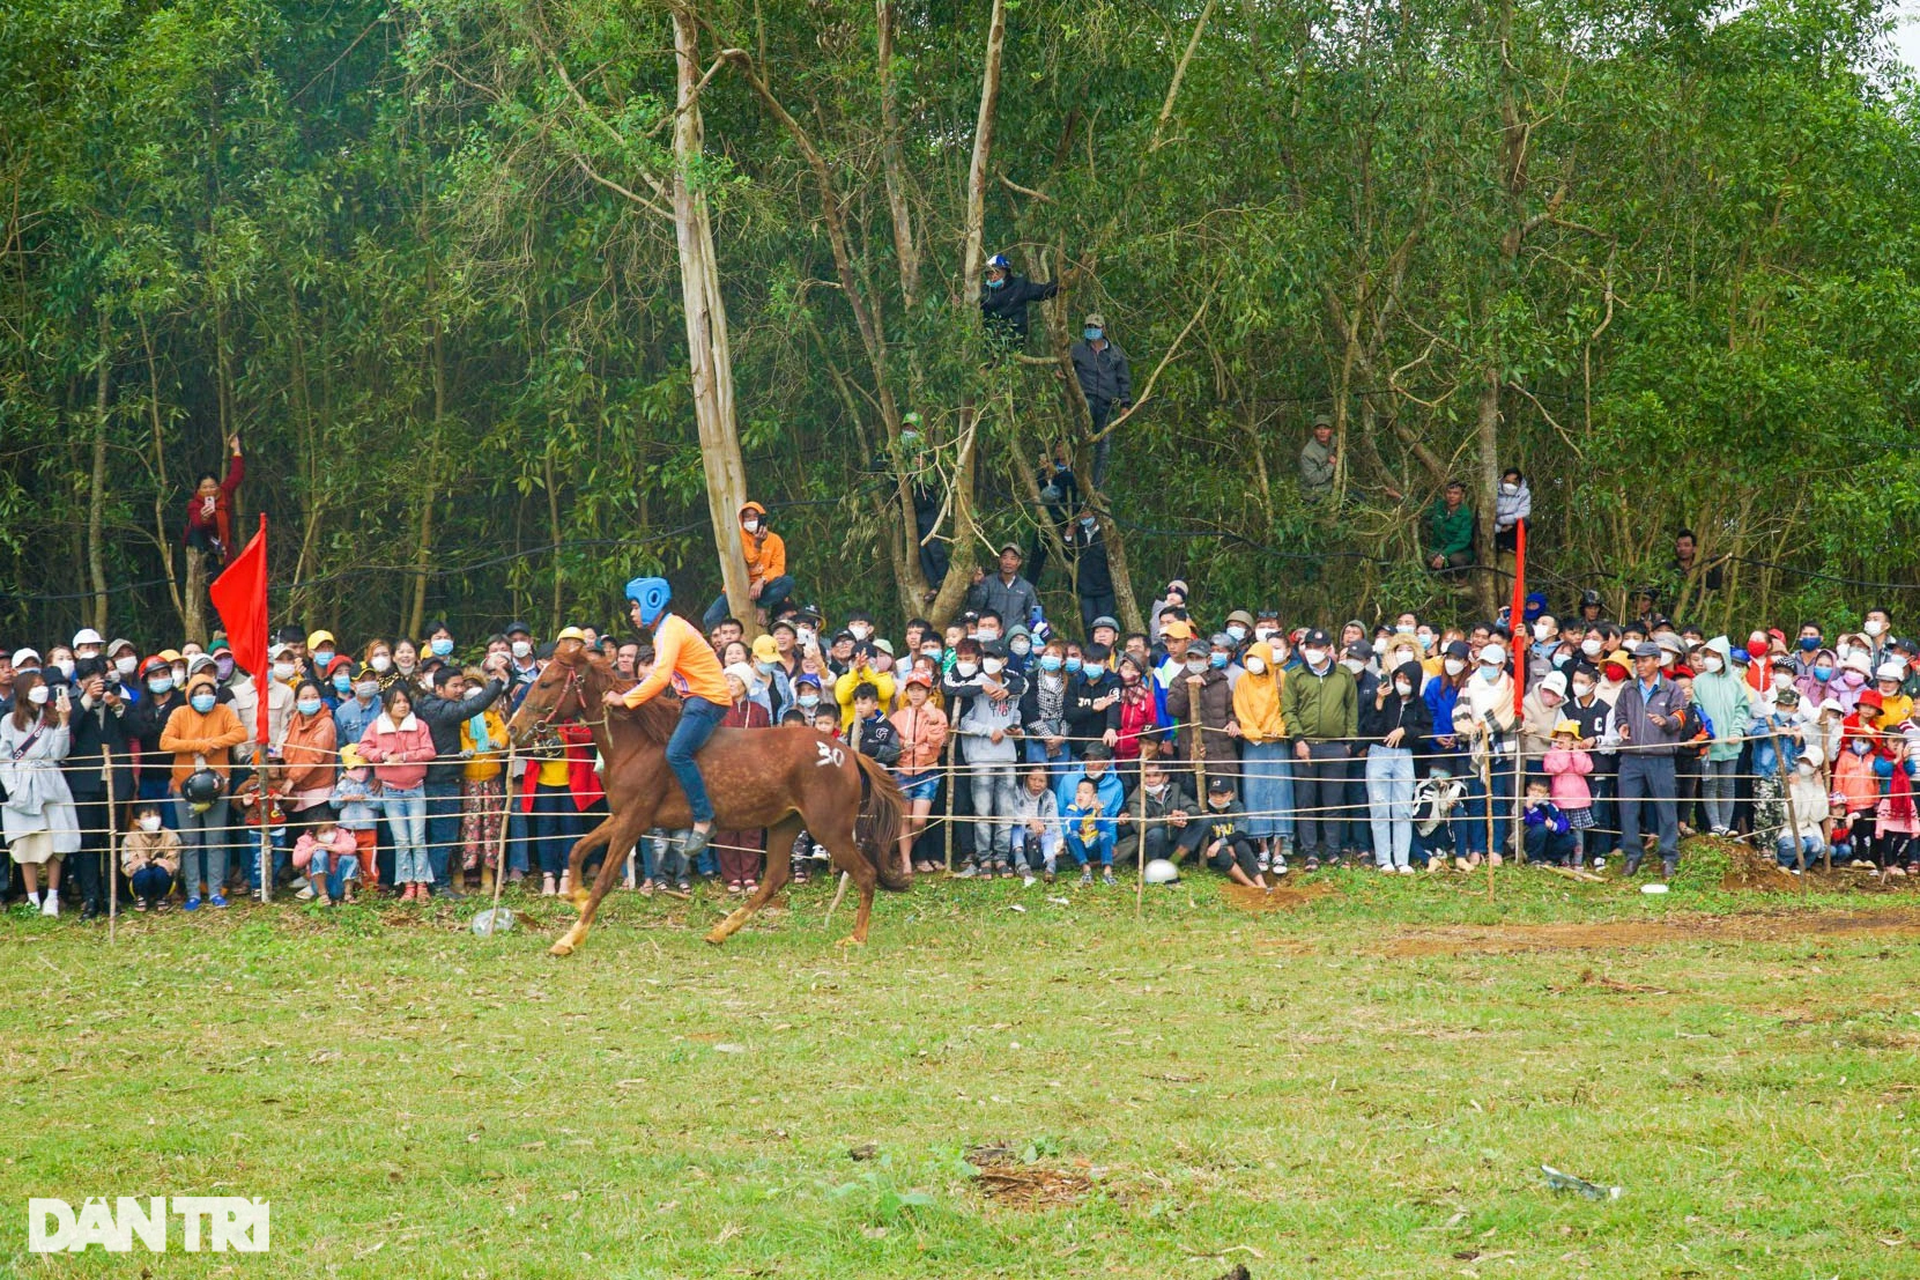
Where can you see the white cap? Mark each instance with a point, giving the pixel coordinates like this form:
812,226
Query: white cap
1858,661
1492,652
25,655
86,635
278,651
1833,705
1556,681
1813,757
1895,671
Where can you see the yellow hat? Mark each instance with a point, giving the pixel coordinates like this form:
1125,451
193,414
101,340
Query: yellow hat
571,633
1176,630
171,655
1567,727
314,640
765,650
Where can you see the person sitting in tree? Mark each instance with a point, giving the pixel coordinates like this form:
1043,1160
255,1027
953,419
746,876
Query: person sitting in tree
210,509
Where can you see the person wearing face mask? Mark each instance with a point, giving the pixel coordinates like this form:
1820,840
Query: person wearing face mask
439,642
1877,627
1485,723
123,669
1264,757
987,723
1092,574
1020,649
1541,711
322,648
202,735
872,664
336,681
1512,503
1043,711
1723,698
97,724
1544,643
149,858
1093,702
765,553
305,775
1106,380
1393,722
246,693
145,722
37,817
1321,705
1203,693
525,668
1592,716
1142,714
1004,298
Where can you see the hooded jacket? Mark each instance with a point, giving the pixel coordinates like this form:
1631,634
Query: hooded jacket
189,734
1214,711
1724,699
1257,699
765,550
1409,713
923,732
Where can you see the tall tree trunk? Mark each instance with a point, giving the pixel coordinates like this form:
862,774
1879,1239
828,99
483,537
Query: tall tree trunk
97,485
430,489
553,530
161,541
972,262
894,170
706,315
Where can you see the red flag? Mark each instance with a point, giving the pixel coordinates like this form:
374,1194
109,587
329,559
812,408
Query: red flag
240,595
1517,611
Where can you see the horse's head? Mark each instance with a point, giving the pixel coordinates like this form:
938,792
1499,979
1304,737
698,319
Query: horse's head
560,694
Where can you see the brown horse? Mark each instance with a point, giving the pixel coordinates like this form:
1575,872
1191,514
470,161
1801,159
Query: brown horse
781,779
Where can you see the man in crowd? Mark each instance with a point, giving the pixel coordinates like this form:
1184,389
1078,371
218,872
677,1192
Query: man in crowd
1107,383
1450,530
1317,461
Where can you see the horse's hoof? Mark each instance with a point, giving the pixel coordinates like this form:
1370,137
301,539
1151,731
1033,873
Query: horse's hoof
717,936
580,898
561,948
851,941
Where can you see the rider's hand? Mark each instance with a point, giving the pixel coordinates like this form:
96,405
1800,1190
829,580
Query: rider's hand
612,698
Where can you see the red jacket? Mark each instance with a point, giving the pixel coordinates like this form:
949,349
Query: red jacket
216,523
582,779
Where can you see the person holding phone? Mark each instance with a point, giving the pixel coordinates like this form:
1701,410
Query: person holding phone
38,818
96,722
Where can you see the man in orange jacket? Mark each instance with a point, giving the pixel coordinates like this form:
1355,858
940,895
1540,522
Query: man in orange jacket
768,584
682,657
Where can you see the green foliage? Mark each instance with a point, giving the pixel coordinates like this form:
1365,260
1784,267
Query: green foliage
387,244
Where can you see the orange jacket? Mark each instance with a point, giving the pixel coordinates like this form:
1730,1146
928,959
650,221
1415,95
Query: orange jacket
188,734
766,551
923,732
308,753
683,656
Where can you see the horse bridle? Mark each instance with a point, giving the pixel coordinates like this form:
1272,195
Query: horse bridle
575,685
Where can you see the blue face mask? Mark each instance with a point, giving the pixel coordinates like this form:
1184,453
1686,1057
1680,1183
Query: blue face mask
1091,333
161,684
1073,664
1217,660
1093,671
309,706
809,700
1489,674
1823,674
202,702
1001,283
441,646
342,683
764,668
1809,643
1051,662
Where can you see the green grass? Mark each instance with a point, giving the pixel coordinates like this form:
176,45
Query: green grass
1363,1085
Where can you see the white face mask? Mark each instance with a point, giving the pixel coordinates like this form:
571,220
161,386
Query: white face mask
283,671
1196,665
1590,647
1541,631
380,662
1581,689
1264,633
965,670
521,649
125,666
1509,489
1874,627
1313,657
37,695
1403,688
1256,666
1354,665
988,635
1710,663
149,822
64,666
992,666
860,630
1455,666
750,525
1783,680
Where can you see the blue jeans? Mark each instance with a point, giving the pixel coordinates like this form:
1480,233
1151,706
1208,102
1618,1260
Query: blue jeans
443,828
336,873
406,810
698,719
1036,752
1390,804
555,822
1268,790
1470,827
248,851
773,593
152,883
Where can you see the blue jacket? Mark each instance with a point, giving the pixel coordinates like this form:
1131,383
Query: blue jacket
1112,792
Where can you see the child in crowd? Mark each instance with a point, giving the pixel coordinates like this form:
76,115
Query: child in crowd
1801,826
150,858
1549,836
1894,768
1568,766
483,738
328,855
1221,836
354,795
1089,831
1036,837
1855,796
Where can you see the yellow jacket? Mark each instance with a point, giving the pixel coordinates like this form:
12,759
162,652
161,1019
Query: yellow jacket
882,682
484,766
1256,699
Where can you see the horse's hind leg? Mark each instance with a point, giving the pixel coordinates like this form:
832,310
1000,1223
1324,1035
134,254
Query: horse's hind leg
847,856
617,828
780,838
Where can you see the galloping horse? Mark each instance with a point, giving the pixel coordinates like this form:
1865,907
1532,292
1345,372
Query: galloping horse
781,779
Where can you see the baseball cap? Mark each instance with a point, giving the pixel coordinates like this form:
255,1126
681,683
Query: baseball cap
1177,630
519,626
1010,546
86,635
1646,649
1315,637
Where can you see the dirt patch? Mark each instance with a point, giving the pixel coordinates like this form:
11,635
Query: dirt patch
1749,870
1011,1183
1281,898
1497,939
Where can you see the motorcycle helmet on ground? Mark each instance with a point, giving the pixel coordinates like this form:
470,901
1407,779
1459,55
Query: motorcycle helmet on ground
652,595
201,789
1161,871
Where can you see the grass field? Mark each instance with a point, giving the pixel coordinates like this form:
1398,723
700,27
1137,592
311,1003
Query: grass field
1359,1083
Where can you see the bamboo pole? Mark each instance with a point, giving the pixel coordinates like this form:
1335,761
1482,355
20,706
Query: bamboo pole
500,857
113,854
1786,795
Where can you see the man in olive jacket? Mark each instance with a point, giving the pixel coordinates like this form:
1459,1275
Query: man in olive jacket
1321,706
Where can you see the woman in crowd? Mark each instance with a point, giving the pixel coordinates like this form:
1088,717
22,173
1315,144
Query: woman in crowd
201,737
1268,777
399,747
923,734
38,817
307,759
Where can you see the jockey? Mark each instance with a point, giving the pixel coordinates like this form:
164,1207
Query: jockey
681,655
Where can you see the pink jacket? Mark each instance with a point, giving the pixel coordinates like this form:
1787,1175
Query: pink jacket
398,753
1569,770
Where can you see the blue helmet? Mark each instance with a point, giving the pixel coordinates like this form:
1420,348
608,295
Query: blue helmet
999,260
652,595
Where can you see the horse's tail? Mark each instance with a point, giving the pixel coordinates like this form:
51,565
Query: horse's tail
883,805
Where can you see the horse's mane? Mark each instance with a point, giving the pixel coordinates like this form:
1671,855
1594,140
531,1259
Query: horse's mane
656,718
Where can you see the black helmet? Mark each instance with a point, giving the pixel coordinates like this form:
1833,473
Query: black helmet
1589,597
202,788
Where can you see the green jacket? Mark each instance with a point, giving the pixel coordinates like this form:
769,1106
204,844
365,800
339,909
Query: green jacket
1723,699
1319,708
1449,534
